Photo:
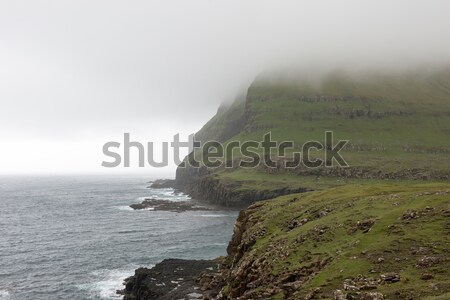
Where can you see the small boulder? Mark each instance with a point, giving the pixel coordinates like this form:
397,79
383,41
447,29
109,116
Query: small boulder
427,276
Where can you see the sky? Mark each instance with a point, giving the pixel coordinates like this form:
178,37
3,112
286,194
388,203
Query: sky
77,74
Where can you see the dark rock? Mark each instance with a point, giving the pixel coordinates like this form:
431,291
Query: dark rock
360,283
169,279
166,205
371,296
429,261
365,225
427,276
409,215
200,184
390,277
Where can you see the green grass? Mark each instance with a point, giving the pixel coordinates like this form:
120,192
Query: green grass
398,127
353,252
395,122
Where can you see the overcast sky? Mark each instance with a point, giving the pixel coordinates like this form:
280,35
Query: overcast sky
76,74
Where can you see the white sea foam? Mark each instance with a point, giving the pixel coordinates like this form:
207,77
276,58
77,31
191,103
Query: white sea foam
123,207
166,194
106,283
213,216
4,295
148,208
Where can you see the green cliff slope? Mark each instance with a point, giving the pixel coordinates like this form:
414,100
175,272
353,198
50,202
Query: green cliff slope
397,124
360,241
378,229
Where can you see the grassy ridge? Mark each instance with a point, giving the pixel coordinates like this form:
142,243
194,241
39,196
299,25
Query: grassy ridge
396,124
370,231
346,238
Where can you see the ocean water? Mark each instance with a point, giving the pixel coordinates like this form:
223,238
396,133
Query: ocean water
74,237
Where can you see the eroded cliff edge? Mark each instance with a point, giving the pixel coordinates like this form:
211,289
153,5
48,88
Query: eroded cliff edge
382,241
363,241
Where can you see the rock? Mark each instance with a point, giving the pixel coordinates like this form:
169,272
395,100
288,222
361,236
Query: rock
360,283
295,223
311,294
429,261
169,279
426,276
390,277
324,212
409,215
365,225
419,250
166,205
371,296
339,295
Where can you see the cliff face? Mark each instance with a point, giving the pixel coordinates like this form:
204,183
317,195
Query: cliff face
333,233
385,241
204,185
397,126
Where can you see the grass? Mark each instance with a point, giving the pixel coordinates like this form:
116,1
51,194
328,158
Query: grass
350,251
398,127
394,122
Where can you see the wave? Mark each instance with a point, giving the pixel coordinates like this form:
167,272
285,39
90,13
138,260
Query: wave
123,207
167,194
147,208
106,283
4,295
213,216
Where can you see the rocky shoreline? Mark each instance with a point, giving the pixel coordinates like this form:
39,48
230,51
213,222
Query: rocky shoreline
173,278
164,205
279,250
170,279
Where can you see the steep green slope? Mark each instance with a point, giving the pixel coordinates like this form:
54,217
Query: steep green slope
359,241
393,122
227,123
397,125
377,229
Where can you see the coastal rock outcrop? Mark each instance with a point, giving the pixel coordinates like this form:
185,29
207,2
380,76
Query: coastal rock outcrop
202,185
168,280
165,205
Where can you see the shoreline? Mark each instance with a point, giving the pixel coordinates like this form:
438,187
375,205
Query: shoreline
174,278
321,245
170,279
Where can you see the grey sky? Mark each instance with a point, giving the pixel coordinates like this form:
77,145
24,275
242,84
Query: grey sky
76,74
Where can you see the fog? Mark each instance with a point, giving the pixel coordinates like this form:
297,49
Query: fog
77,74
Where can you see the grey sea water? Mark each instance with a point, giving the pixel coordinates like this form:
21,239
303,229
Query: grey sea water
74,237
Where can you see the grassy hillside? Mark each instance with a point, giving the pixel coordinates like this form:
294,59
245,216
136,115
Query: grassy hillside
378,229
387,239
397,124
227,123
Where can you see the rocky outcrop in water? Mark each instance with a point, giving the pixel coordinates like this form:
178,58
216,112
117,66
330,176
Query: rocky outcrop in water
168,280
165,205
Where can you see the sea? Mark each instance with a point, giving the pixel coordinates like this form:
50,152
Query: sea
75,237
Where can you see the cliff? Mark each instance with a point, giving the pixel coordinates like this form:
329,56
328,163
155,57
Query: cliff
377,229
397,125
377,241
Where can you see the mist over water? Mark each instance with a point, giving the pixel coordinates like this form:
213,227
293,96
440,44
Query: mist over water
74,237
